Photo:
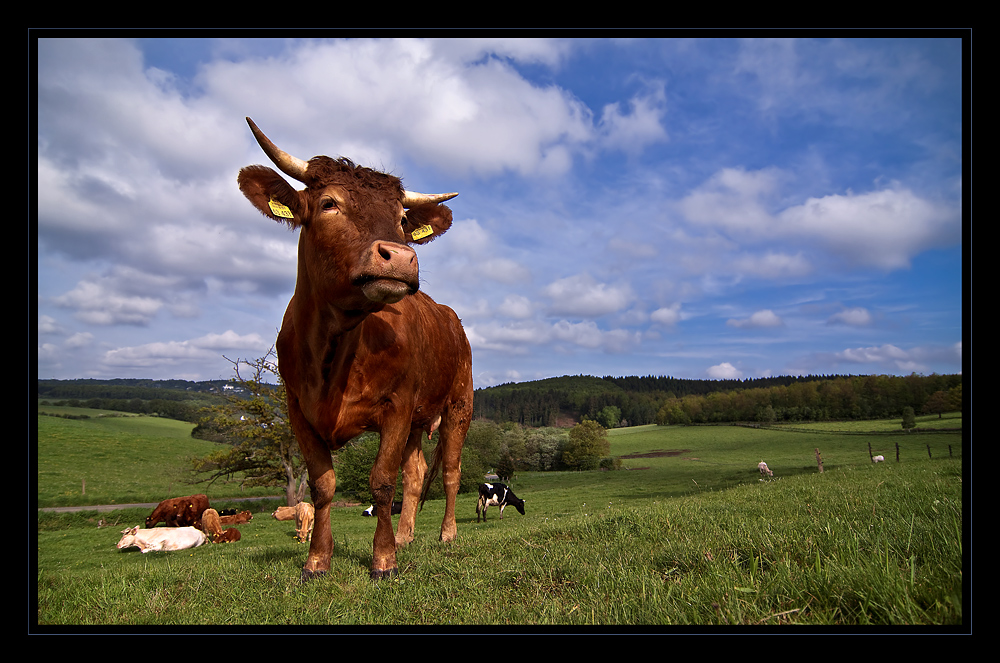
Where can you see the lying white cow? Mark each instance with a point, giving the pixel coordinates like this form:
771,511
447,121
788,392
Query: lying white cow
764,470
878,459
162,538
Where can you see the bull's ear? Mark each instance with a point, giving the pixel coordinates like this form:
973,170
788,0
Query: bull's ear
271,194
424,223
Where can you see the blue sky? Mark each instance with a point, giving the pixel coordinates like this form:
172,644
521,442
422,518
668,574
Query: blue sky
699,208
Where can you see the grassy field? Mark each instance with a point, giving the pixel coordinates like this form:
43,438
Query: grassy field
118,460
688,535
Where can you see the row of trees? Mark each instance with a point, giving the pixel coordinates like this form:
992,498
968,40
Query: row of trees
634,401
859,397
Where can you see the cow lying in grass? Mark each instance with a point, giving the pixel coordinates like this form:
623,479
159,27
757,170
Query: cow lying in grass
162,538
241,518
284,513
211,525
878,459
397,508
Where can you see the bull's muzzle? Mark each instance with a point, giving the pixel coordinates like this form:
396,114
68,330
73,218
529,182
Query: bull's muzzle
389,272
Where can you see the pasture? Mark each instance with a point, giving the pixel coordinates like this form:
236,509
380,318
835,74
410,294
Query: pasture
688,535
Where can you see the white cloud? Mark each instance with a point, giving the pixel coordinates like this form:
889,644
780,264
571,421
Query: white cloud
884,228
893,357
724,371
97,305
205,348
581,295
855,317
761,319
516,306
668,316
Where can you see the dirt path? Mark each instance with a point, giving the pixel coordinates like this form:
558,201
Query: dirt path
142,505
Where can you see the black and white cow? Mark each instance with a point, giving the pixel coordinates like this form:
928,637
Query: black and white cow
497,494
397,508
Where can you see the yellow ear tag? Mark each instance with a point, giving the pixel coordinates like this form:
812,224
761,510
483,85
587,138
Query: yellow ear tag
421,232
280,210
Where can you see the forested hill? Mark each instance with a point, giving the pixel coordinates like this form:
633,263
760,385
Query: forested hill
612,401
175,399
664,400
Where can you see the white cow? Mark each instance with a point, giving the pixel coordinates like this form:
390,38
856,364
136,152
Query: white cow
878,459
764,471
162,538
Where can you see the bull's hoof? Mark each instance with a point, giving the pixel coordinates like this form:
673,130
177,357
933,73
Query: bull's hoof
385,573
310,575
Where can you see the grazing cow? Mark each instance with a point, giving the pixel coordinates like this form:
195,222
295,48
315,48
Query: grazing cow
878,459
211,525
240,518
764,470
179,511
497,494
211,522
284,513
162,538
397,507
305,514
360,347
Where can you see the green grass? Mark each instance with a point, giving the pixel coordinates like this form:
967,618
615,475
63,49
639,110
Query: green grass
118,460
693,539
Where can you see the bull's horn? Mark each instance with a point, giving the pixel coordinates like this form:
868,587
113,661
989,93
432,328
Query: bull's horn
289,165
412,198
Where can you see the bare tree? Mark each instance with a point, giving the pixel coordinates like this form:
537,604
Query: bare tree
260,448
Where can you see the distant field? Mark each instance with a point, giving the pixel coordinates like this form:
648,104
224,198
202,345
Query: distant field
118,459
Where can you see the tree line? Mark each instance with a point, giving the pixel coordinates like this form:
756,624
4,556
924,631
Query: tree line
633,400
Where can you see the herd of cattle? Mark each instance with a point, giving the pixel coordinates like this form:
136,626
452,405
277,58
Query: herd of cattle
191,522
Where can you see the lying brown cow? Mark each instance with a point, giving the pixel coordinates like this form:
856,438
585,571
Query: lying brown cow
211,525
360,347
304,518
228,535
284,513
241,518
179,511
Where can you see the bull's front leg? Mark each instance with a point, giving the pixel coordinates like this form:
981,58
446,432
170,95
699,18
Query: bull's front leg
322,486
382,482
321,489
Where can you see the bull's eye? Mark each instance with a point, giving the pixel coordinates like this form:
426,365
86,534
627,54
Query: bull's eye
328,204
402,221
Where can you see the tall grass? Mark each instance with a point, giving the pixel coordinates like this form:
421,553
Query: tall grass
693,539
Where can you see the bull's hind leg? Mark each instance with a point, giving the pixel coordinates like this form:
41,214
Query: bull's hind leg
414,468
453,430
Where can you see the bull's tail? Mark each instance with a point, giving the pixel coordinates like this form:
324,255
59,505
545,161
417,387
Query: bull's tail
432,471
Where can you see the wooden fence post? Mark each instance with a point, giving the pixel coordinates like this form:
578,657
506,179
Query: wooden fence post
929,451
819,461
897,452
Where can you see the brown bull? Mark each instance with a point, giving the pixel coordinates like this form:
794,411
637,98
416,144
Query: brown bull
179,511
360,347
